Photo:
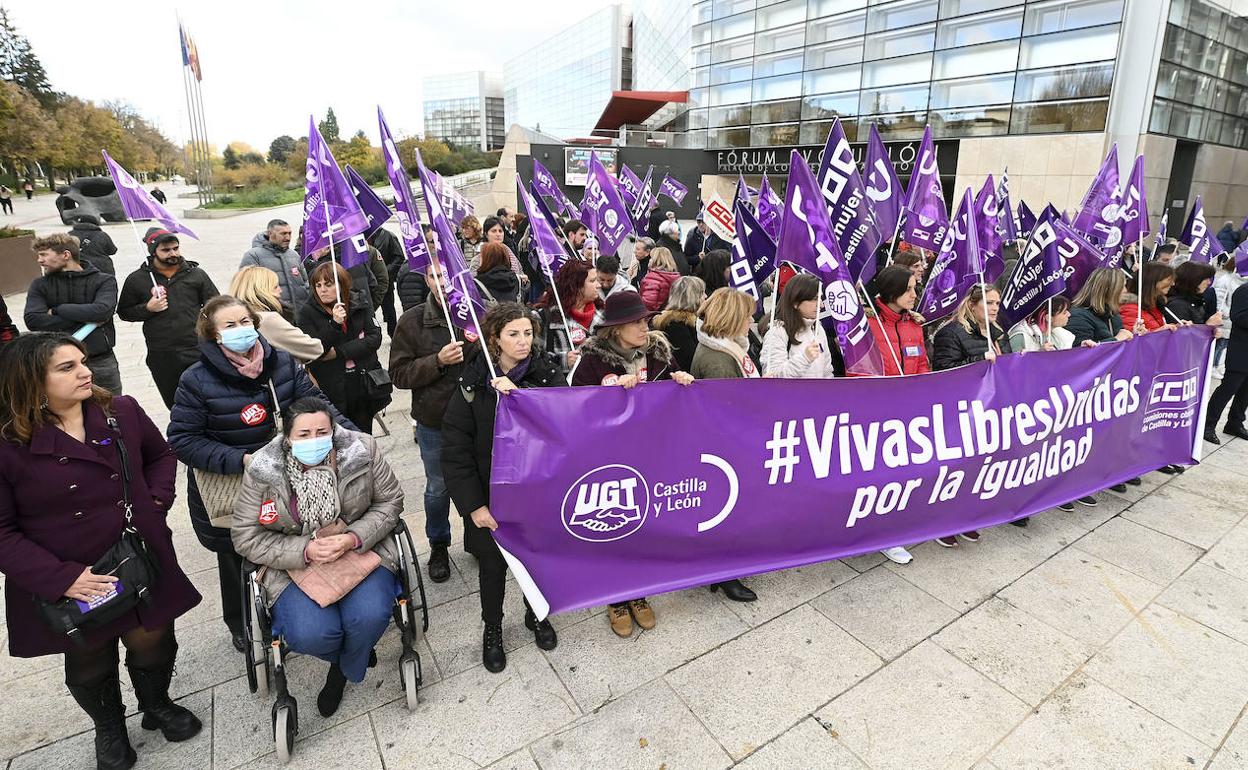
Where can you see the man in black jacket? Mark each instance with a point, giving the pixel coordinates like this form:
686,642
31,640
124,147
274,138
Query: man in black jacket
1234,387
95,246
701,241
426,359
76,299
166,294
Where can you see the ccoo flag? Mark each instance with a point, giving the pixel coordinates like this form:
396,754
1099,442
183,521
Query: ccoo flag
1038,275
926,218
883,186
1098,213
330,212
138,203
1196,235
462,296
808,241
673,189
374,208
848,206
610,218
1080,256
404,203
770,209
1026,219
753,255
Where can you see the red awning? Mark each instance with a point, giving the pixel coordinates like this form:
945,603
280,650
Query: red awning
630,108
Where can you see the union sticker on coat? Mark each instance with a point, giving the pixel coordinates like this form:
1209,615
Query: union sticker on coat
268,512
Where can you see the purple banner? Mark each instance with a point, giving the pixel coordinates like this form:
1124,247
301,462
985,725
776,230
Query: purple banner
1196,235
462,296
849,208
753,255
673,189
138,203
926,219
330,212
770,209
374,208
404,204
544,240
815,470
1039,275
610,219
883,186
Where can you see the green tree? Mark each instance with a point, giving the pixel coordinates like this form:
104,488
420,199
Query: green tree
20,65
280,149
231,158
251,159
329,127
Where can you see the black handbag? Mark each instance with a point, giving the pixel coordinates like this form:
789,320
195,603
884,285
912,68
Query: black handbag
380,388
129,559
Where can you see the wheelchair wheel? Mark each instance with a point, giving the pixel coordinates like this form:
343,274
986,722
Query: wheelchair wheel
411,682
257,654
415,583
285,726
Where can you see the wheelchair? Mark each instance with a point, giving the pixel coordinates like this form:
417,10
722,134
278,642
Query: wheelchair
266,655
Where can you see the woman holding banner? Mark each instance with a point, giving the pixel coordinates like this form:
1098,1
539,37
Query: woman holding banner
723,353
1187,298
624,352
509,331
679,322
570,310
1146,313
1096,314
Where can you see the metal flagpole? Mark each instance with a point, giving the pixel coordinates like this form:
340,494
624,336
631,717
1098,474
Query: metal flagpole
1139,276
203,124
900,372
481,334
1049,325
558,303
892,246
983,291
190,118
329,233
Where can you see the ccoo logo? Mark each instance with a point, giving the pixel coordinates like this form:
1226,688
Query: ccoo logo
608,503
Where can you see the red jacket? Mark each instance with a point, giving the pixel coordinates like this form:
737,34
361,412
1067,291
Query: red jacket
903,337
655,287
1153,319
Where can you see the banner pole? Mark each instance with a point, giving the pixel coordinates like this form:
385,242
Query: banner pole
559,304
139,238
1139,276
983,290
1049,325
446,311
892,246
900,372
329,233
480,332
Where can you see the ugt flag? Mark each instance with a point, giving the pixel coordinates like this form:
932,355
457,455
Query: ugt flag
404,204
544,182
770,209
673,189
883,186
848,206
926,218
462,296
641,208
1196,235
330,211
807,240
753,255
543,237
629,185
453,202
1098,213
611,221
374,208
139,203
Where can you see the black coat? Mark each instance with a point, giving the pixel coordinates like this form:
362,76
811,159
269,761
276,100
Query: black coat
468,429
683,337
390,249
412,289
76,297
501,283
1237,351
95,245
1085,324
419,336
171,330
678,254
357,343
697,244
1188,307
8,330
955,346
207,428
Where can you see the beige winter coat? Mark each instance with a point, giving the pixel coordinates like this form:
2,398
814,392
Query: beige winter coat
284,335
265,533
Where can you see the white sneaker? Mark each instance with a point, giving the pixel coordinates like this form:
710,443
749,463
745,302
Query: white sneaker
898,555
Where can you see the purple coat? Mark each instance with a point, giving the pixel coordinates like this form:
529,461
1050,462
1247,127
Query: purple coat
60,510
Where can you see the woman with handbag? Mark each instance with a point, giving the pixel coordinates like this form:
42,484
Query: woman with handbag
352,377
226,408
315,512
86,482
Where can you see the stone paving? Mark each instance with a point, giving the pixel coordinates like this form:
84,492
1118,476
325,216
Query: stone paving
1110,637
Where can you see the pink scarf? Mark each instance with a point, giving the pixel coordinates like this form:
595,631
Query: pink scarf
248,364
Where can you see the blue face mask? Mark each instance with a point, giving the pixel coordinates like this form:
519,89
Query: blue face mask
240,339
312,451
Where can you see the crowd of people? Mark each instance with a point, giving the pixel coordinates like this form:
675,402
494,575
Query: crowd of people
274,387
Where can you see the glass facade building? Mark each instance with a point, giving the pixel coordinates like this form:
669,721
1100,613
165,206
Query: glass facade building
465,109
561,85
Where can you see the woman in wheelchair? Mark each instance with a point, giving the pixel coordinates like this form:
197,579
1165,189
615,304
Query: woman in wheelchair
315,515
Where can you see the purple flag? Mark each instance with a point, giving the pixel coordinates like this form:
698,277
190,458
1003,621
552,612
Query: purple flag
1026,219
1133,214
462,296
1039,275
1161,229
374,208
883,186
808,241
630,185
1080,256
641,209
1009,228
766,474
549,216
848,206
744,192
1098,213
1196,235
988,219
753,255
543,237
1241,259
404,204
453,202
544,182
770,209
327,196
927,219
673,189
608,212
138,203
954,272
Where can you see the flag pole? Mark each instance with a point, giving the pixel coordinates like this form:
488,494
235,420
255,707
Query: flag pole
186,92
892,246
983,290
559,304
1139,275
1049,325
480,332
139,238
203,125
900,372
329,234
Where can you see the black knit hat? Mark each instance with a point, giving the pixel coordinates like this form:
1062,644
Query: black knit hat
156,236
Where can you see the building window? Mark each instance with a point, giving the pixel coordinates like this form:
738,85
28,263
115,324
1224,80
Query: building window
785,63
952,8
976,60
734,93
902,13
737,115
1062,15
820,8
727,50
971,121
765,136
984,28
904,42
907,69
835,79
780,14
901,99
1059,117
1075,47
780,87
780,39
731,72
728,137
1079,82
777,112
741,24
834,54
895,127
983,89
724,8
825,30
830,106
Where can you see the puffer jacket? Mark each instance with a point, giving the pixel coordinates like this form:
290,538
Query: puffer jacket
369,496
604,364
954,346
95,246
287,265
219,415
76,297
501,284
1188,307
1086,324
411,288
369,280
656,285
357,342
173,329
901,334
782,360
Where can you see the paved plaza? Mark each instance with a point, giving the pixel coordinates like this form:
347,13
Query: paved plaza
1108,637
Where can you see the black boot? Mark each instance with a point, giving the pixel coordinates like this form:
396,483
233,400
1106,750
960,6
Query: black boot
151,687
543,632
1211,435
1235,430
1021,522
102,702
735,590
492,654
439,564
330,697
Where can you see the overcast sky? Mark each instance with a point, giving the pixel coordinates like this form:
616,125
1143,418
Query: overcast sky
267,64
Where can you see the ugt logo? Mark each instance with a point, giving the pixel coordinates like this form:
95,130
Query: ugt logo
608,503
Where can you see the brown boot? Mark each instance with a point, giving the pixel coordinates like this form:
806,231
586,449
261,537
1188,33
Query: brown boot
643,616
621,621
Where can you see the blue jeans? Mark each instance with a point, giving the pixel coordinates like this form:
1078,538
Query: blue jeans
437,501
344,632
1219,350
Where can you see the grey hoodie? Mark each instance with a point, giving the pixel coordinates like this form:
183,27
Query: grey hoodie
288,266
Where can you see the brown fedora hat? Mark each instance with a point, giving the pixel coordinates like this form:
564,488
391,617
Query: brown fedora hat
624,307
